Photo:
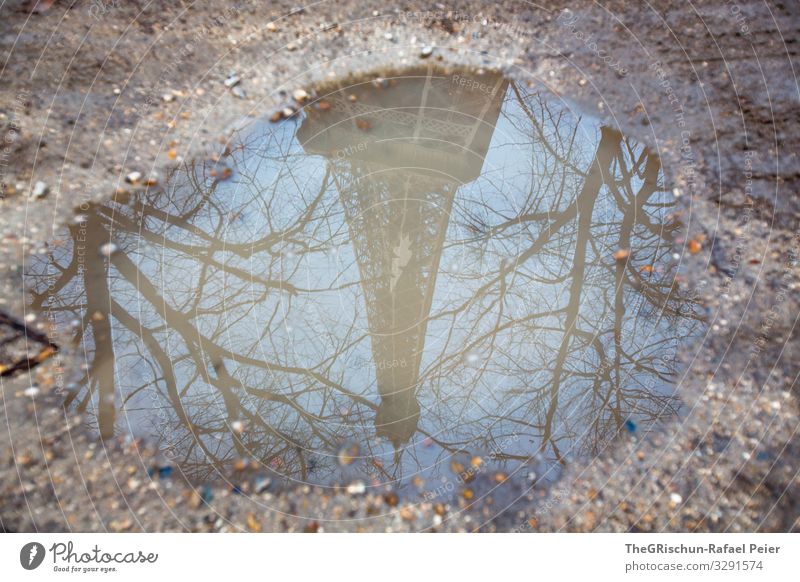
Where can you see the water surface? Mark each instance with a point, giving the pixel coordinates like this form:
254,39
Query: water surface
415,281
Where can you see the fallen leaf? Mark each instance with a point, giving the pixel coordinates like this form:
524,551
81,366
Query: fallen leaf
456,467
39,6
252,523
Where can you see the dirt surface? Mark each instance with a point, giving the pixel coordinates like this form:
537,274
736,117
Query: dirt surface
711,85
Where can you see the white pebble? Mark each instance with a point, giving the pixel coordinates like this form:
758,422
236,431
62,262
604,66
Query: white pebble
40,190
357,488
108,249
133,177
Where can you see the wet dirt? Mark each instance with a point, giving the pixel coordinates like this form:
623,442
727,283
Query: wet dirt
92,92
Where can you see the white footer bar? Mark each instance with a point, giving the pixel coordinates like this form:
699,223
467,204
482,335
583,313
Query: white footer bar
334,557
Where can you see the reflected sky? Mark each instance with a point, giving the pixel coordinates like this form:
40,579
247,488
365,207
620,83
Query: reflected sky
410,273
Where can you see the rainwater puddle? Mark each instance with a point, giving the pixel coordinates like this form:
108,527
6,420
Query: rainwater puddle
428,281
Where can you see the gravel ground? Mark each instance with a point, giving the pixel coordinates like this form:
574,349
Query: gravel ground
712,85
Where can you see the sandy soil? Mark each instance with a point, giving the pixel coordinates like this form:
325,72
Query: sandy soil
712,85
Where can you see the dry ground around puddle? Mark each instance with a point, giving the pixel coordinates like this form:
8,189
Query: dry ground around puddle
81,86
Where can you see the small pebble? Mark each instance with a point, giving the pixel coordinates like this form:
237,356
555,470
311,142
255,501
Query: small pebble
33,391
133,177
108,249
407,514
239,93
357,488
232,81
40,190
426,52
195,499
300,95
261,484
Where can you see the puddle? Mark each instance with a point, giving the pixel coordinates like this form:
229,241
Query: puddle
422,281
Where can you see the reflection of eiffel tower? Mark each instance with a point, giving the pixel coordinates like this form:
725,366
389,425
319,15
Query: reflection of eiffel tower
398,155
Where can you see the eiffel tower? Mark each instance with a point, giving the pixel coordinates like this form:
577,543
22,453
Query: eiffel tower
398,151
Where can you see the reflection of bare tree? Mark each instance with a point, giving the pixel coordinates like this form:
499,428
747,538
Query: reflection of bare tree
269,314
